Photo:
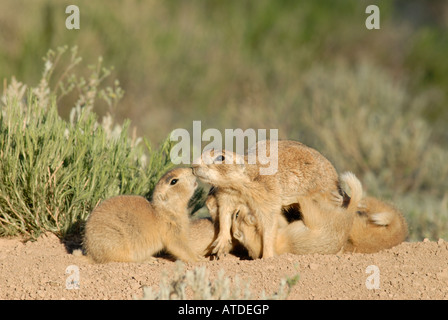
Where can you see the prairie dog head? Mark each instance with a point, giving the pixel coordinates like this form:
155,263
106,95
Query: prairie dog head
245,230
176,187
220,168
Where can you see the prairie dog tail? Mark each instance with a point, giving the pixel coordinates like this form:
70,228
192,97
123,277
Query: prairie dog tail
355,187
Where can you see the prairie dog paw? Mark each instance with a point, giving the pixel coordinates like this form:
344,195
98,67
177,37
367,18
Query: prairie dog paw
222,246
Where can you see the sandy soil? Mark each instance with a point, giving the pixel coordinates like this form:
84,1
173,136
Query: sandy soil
41,270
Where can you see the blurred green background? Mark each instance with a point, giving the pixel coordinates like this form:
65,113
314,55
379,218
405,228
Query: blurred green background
373,101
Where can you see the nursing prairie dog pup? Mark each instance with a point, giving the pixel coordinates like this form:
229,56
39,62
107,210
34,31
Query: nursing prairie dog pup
132,229
272,175
377,226
324,228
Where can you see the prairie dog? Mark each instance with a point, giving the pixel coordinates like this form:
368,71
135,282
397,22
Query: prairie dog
317,232
132,229
201,236
204,231
377,226
301,171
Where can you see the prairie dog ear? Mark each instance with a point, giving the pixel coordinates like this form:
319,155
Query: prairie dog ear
251,220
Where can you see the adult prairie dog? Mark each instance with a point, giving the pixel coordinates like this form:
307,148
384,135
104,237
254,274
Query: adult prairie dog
298,171
377,226
324,228
132,229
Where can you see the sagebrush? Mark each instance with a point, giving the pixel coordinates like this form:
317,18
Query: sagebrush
196,284
53,172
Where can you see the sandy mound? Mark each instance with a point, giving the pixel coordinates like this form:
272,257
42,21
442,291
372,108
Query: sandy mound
44,270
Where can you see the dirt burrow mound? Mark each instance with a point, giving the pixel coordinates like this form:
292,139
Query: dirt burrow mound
45,270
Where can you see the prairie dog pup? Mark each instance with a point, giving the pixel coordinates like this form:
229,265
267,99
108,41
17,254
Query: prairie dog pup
301,171
324,228
132,229
201,236
377,226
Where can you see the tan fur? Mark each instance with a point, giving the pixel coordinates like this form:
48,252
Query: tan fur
204,231
302,171
222,201
377,226
201,236
132,229
324,228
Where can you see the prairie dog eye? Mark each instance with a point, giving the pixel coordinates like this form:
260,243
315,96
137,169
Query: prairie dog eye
220,158
173,182
236,214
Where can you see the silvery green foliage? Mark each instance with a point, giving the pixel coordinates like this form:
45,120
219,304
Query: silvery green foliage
53,172
196,284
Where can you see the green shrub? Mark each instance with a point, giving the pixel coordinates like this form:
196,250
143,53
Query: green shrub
53,172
